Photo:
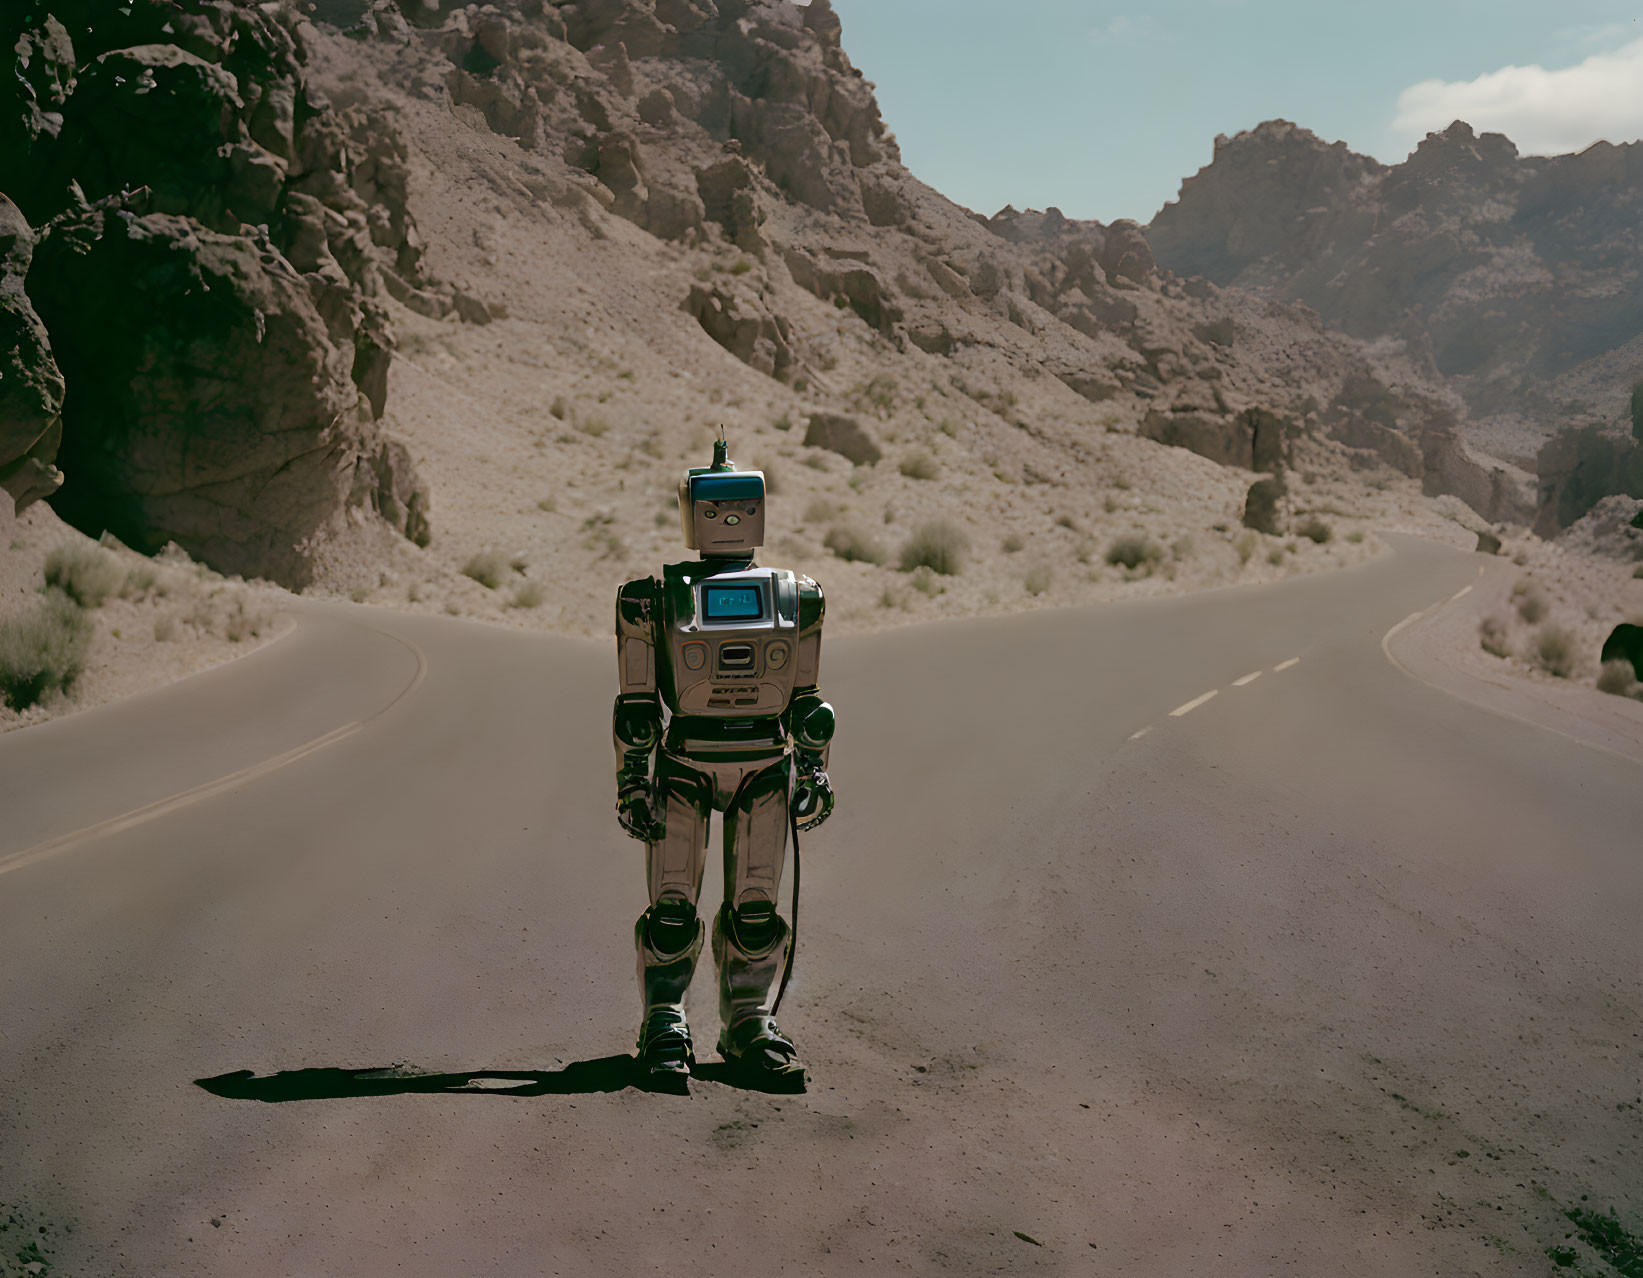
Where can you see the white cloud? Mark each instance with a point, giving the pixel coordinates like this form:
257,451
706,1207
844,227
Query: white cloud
1544,112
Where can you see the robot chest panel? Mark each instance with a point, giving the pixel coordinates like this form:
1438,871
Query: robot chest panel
731,643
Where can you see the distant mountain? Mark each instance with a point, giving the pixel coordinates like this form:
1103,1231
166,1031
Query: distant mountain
1517,280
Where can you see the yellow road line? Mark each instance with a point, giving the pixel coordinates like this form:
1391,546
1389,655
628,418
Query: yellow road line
205,790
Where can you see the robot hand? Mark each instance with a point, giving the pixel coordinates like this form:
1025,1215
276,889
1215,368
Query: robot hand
812,799
638,812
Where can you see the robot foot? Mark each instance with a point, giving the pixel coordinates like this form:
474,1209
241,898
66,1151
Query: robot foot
666,1056
760,1053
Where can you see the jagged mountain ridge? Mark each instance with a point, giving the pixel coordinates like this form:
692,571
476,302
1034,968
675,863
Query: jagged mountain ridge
774,216
1518,280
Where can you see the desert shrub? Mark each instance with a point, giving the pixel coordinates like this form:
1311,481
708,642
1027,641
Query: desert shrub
1068,522
853,545
1038,579
1013,543
1638,571
939,546
1133,551
1121,484
1315,529
1555,651
165,628
1355,536
1109,503
819,511
920,465
1275,556
85,574
1492,637
245,623
1245,545
488,568
594,426
1616,677
784,422
559,407
140,582
42,650
547,505
1181,548
1532,605
924,580
529,595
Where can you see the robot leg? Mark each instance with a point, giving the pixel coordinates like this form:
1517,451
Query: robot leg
749,938
668,936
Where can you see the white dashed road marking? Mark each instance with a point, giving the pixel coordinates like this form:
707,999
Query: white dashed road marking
1285,665
1193,704
1140,732
1249,678
1464,590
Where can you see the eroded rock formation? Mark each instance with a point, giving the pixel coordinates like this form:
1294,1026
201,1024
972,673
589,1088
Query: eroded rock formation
211,245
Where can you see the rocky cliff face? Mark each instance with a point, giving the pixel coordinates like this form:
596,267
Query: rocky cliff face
743,123
1516,280
207,269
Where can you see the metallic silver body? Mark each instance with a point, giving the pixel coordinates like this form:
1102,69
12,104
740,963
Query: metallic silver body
717,709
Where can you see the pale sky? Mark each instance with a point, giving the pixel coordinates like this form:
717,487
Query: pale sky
1102,108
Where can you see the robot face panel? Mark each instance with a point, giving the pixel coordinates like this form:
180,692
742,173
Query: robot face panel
723,512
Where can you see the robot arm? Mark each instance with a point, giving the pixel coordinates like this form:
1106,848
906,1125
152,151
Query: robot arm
810,718
636,719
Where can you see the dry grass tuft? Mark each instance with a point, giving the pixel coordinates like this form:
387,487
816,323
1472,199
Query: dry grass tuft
920,465
488,568
853,545
1555,651
939,546
85,574
43,650
1133,552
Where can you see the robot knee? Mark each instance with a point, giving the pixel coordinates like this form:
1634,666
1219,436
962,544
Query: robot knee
669,927
755,927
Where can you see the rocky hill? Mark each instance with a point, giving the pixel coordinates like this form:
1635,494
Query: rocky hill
1516,280
301,285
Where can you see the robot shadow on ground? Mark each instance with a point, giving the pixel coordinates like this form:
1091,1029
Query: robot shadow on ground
604,1074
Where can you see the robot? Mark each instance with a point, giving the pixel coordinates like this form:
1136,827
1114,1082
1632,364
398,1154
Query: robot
718,710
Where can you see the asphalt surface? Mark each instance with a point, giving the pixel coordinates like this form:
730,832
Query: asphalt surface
320,963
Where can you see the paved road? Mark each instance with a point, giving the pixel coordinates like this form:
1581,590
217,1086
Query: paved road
1325,974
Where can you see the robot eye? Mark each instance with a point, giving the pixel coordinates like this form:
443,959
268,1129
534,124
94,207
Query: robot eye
750,510
710,513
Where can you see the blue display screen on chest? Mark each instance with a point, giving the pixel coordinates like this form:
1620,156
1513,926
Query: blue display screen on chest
727,602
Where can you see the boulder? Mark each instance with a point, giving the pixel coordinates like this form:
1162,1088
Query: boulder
1612,528
1625,643
226,419
31,387
842,435
741,324
1262,505
847,283
1580,466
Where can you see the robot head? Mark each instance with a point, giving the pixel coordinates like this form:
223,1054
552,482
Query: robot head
722,508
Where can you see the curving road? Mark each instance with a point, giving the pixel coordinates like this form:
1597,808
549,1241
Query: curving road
320,963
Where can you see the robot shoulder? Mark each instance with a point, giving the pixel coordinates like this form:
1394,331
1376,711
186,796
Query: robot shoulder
633,603
812,604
